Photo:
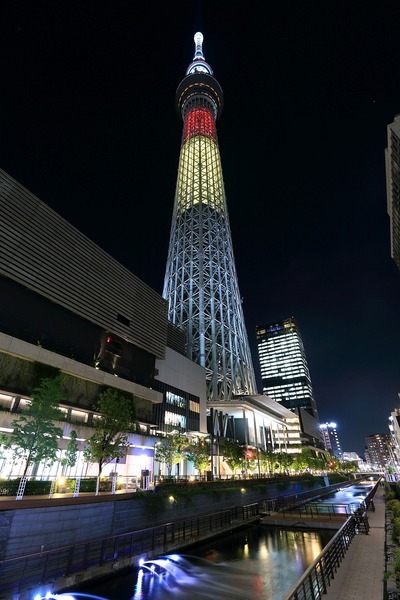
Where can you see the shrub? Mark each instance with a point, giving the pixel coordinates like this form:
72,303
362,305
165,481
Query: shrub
154,504
393,506
9,487
390,493
89,485
396,530
396,564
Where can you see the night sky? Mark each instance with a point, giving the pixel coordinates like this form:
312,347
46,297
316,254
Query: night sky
88,124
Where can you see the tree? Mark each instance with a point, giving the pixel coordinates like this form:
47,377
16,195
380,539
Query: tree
34,436
307,459
348,466
170,450
234,455
283,460
111,427
251,460
71,452
322,462
267,460
199,453
303,460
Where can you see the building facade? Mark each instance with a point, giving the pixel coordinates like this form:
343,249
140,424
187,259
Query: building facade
392,160
331,439
284,370
201,286
394,428
69,308
378,451
285,374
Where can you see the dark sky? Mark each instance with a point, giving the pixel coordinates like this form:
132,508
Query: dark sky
88,124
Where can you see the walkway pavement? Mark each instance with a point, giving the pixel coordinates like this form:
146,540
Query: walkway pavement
360,575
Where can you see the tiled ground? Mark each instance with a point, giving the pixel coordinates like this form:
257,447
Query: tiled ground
360,576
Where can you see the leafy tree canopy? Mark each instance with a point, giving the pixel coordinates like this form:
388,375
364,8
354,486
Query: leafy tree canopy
34,436
170,450
111,428
71,451
267,460
234,455
198,453
309,459
283,460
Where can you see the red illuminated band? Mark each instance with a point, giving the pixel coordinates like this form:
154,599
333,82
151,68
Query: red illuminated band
199,121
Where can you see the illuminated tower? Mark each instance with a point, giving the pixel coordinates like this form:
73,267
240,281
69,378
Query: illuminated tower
200,281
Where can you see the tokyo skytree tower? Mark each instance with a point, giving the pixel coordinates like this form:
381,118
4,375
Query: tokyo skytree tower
200,281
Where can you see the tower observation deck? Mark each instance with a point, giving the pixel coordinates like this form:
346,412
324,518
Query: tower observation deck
201,283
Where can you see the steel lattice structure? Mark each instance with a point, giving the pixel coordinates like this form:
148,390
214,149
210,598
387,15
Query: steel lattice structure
201,284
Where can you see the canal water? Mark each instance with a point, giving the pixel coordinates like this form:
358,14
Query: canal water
256,563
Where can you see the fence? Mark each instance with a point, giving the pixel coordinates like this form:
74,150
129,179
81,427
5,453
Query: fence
37,569
282,503
316,579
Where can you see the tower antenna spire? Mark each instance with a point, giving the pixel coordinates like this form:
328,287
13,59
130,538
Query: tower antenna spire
198,42
198,64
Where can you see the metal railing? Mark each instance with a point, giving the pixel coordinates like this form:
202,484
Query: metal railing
18,574
321,510
316,580
281,503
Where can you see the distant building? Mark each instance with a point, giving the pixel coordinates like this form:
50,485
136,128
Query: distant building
394,428
331,439
285,374
351,456
392,159
378,452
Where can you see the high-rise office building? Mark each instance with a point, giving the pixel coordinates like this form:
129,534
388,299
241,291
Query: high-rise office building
284,370
285,375
331,439
392,160
378,450
201,284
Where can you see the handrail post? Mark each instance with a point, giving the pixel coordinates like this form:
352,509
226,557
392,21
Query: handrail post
21,488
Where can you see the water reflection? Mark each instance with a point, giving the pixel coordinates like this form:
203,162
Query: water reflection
346,500
256,563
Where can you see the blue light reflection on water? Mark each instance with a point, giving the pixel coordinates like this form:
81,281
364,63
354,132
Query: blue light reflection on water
256,563
350,497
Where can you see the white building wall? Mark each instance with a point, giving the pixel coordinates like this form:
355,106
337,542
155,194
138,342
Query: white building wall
180,372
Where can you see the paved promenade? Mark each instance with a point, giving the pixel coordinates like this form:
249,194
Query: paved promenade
360,575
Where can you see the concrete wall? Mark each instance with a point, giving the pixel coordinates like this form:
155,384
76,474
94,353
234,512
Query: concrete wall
31,530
